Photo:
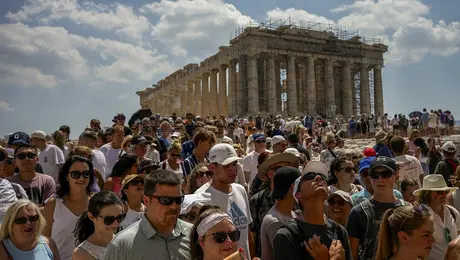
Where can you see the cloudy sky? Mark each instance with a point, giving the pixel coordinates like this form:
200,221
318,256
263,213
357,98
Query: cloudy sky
67,61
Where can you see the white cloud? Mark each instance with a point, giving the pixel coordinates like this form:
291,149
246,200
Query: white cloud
25,76
5,106
195,28
297,16
117,18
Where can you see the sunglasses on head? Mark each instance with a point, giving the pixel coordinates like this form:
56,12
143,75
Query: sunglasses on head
108,220
23,220
220,237
23,156
385,174
77,174
312,175
200,174
348,169
167,200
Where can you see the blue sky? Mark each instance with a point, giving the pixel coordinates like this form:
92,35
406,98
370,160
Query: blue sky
66,62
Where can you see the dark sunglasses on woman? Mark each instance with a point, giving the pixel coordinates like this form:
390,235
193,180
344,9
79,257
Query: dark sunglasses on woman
167,200
200,174
23,220
108,220
220,237
77,174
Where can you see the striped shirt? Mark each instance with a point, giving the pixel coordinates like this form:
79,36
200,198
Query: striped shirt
141,241
190,163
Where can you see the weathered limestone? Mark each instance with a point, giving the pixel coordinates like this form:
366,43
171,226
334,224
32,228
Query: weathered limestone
253,90
205,94
197,94
278,86
364,93
271,86
330,91
242,87
311,87
378,91
223,106
213,108
190,98
232,88
291,87
347,106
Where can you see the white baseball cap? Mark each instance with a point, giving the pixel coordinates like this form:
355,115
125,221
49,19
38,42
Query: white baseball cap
312,166
449,146
39,134
223,154
277,139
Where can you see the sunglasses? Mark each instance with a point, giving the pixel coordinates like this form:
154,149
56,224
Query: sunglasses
176,155
23,156
221,237
261,141
23,220
348,169
191,217
167,201
385,174
442,192
108,220
312,175
77,174
136,182
200,174
336,202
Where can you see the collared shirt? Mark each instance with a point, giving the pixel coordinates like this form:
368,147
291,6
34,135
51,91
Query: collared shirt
141,241
440,247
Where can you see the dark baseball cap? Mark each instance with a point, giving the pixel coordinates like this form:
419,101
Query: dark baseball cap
283,179
383,161
18,138
139,139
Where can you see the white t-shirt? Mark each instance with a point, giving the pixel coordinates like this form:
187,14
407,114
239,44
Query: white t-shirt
153,155
236,204
440,247
250,165
51,159
100,163
178,172
111,157
409,167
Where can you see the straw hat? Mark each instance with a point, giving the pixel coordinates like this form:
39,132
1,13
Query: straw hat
131,177
434,182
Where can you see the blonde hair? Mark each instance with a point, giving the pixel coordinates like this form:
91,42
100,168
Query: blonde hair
414,134
329,138
82,151
6,229
175,145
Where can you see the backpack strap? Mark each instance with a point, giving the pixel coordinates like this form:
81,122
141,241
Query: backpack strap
366,240
452,212
299,236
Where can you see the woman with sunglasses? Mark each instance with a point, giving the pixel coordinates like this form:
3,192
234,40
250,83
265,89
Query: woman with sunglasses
342,176
132,192
96,227
126,165
214,236
173,163
446,218
199,176
406,233
62,213
86,152
20,234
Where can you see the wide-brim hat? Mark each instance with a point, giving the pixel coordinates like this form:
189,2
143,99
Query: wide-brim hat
434,182
131,177
274,159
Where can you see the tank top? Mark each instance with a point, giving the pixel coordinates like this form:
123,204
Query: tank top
131,217
97,252
41,251
63,226
116,187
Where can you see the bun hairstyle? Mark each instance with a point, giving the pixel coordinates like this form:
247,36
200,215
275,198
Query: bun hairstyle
175,145
85,226
404,218
196,251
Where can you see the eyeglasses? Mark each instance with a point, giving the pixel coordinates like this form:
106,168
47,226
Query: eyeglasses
336,202
191,216
23,220
442,192
77,174
312,175
108,220
221,237
167,201
29,156
348,169
385,174
200,174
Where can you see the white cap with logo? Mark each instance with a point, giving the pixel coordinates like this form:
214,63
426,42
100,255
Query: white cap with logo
223,154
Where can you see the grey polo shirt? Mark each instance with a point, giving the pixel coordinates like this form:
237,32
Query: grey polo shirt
141,241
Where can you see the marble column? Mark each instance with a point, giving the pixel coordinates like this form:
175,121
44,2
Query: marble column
364,92
253,86
330,91
232,90
347,93
278,86
378,91
300,88
271,86
213,107
223,106
205,95
197,97
242,86
311,87
291,87
189,106
183,100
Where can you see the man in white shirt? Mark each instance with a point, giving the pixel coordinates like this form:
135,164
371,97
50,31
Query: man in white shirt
51,157
227,194
409,166
250,161
89,139
112,150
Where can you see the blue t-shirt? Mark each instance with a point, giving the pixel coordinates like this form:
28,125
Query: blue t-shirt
364,194
383,150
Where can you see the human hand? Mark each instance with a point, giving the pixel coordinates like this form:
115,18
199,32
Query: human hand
336,250
317,250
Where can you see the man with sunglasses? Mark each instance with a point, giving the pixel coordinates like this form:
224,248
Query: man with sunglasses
159,234
250,161
364,221
225,193
39,187
325,238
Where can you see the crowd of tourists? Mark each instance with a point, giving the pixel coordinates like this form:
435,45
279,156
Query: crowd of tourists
193,188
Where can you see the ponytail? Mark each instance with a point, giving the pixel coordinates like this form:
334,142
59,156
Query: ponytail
83,229
386,247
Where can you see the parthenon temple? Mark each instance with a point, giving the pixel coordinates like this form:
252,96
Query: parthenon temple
283,69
